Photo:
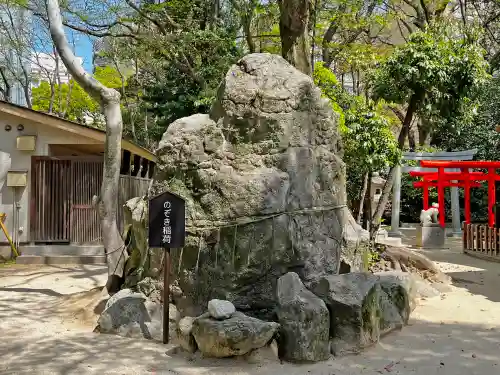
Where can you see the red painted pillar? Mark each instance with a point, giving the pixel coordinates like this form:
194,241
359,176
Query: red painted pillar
440,187
491,196
467,194
425,186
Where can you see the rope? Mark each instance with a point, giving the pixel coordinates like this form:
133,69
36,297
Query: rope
250,220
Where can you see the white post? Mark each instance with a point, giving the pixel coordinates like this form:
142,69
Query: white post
396,202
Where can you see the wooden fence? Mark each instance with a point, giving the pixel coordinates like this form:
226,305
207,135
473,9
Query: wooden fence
61,209
481,240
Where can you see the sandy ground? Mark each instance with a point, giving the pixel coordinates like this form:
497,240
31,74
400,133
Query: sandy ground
455,334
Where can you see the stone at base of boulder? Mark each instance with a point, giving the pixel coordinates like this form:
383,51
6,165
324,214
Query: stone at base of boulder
130,314
235,336
362,309
185,336
304,320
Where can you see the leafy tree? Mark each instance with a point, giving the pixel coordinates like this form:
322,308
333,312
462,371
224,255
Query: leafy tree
478,132
170,93
369,145
437,74
70,100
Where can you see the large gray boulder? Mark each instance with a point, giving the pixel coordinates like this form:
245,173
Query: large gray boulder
362,308
264,186
235,336
304,320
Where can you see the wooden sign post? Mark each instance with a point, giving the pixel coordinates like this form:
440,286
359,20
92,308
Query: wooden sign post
167,230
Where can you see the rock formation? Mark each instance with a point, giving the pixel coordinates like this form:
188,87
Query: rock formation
363,307
264,187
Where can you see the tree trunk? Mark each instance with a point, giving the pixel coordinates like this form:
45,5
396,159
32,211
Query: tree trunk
362,198
294,19
247,22
107,203
68,98
7,90
313,27
367,211
423,133
52,96
411,139
384,198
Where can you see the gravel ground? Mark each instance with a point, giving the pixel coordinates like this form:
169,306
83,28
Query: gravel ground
42,331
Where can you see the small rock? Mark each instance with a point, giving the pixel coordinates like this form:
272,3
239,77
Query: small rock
221,309
473,356
185,336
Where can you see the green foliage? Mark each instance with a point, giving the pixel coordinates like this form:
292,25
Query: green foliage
368,141
172,92
369,144
70,100
370,258
479,132
440,68
72,105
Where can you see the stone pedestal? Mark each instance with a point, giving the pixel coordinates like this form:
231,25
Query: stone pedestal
431,236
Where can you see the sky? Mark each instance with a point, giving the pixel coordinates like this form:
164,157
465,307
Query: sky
83,48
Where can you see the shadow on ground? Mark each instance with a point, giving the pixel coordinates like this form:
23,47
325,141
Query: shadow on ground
444,338
478,276
30,273
424,348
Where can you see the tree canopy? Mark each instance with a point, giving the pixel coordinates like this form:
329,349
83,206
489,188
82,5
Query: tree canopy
400,74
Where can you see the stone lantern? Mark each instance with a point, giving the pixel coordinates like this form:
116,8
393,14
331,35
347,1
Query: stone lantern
377,185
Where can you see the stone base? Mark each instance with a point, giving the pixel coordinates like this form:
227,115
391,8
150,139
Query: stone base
431,236
395,234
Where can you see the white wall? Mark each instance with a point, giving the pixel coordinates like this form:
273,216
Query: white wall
21,160
44,67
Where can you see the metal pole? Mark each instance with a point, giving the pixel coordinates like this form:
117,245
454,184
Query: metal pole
166,296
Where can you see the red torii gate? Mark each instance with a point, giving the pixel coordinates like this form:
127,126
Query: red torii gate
465,178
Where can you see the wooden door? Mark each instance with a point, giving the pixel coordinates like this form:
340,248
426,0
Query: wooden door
50,199
86,182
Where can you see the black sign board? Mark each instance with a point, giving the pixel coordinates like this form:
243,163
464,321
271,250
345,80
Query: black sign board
167,226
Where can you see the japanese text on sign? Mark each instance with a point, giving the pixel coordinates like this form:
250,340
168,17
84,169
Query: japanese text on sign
167,229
